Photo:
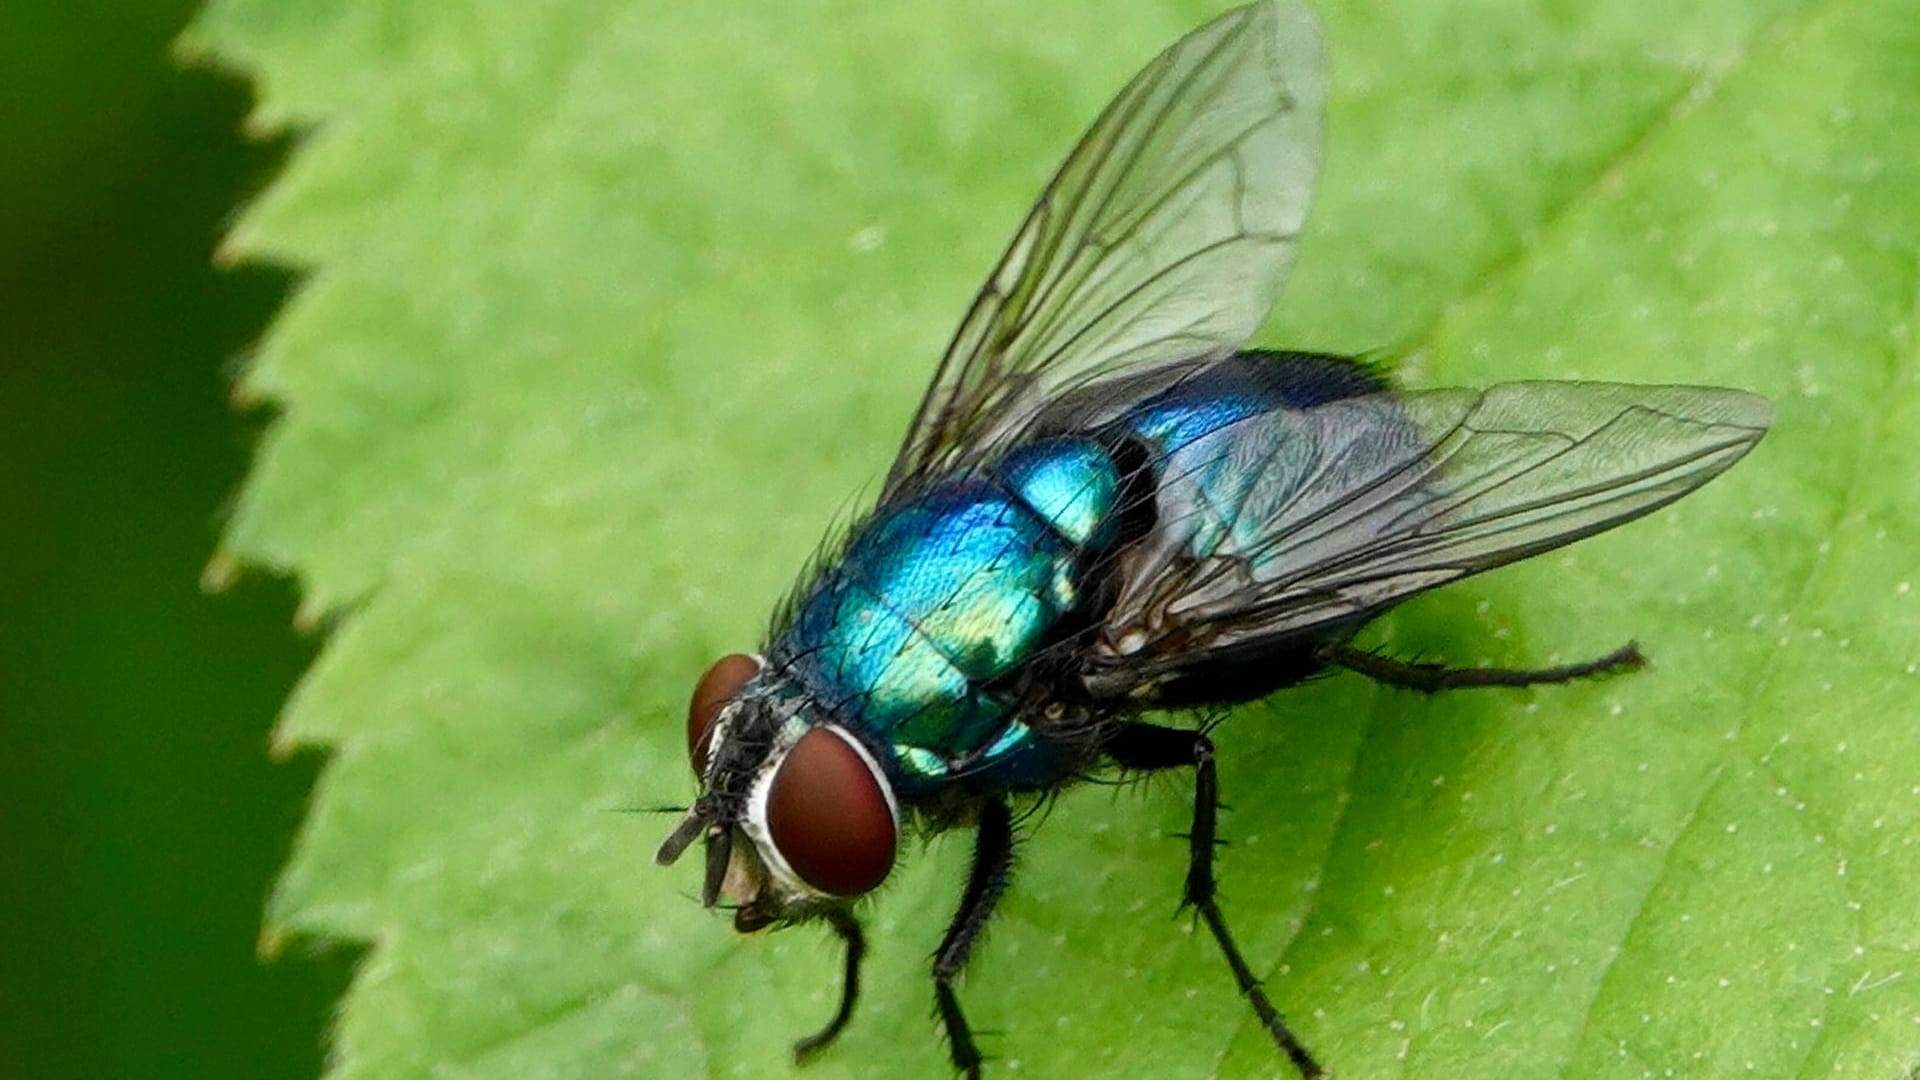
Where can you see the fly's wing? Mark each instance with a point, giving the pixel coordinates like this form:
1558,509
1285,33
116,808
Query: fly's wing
1166,234
1300,520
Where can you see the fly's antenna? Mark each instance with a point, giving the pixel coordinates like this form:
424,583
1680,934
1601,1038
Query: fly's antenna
682,835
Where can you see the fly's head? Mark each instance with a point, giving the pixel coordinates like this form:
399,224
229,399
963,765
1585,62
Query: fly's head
796,813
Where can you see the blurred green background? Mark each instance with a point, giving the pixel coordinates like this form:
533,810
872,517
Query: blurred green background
141,819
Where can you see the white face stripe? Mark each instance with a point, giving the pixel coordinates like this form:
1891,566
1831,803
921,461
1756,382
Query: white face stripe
753,821
717,736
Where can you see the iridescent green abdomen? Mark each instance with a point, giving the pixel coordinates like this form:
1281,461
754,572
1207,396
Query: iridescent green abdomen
936,598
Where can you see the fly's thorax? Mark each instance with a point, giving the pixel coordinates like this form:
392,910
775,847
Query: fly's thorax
797,813
942,600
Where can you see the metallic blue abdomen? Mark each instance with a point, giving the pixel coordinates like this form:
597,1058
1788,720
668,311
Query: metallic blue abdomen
1253,442
942,594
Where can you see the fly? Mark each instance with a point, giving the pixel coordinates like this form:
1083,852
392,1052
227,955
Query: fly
1108,505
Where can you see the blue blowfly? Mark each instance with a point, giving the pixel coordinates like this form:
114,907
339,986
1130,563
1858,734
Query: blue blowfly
1107,505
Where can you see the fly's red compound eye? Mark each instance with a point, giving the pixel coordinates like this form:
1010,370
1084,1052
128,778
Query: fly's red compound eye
718,686
829,816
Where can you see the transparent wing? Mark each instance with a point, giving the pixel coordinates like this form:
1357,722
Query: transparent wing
1296,521
1166,234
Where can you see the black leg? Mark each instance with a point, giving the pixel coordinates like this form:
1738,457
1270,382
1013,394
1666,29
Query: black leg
1147,746
992,869
1433,678
848,928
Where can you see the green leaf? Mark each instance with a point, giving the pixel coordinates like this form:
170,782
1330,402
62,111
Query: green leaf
611,306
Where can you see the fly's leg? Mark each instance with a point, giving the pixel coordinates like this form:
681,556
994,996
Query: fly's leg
1433,678
848,929
992,870
1150,747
